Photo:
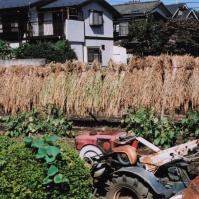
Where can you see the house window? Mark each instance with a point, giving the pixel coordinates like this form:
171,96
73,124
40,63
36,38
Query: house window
75,14
14,26
1,25
96,18
94,54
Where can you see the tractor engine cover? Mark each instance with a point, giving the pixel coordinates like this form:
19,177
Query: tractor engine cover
103,140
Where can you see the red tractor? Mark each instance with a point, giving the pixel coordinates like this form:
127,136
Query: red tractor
117,164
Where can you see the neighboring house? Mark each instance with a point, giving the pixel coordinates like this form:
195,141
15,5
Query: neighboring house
136,10
181,11
87,24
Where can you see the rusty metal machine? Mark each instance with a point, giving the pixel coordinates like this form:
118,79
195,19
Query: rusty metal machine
117,164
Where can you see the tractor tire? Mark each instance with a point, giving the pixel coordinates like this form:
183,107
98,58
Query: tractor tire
125,187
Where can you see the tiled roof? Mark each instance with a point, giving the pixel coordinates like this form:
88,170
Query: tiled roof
174,7
62,3
16,3
136,7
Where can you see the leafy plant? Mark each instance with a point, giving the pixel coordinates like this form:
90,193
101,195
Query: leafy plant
190,124
146,34
60,52
50,153
144,123
5,49
22,175
50,120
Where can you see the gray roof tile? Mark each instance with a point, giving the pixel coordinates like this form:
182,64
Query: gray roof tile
136,7
16,3
62,3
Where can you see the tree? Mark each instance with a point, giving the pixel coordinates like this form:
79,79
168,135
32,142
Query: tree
5,49
146,37
181,37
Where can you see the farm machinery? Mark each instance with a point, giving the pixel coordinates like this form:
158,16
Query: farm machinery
118,164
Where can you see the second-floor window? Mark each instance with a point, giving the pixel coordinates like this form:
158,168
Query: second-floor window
14,26
96,18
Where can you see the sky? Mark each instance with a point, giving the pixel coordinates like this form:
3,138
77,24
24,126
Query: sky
190,3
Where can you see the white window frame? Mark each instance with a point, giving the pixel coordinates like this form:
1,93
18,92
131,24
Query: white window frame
96,18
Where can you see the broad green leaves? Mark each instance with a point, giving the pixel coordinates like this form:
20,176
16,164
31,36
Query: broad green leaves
144,123
49,152
50,120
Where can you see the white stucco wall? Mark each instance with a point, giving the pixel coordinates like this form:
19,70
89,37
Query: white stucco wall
119,54
78,48
106,30
107,54
74,30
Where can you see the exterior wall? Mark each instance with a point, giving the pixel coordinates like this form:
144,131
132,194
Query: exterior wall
107,54
78,48
24,62
98,36
106,30
74,30
160,10
119,54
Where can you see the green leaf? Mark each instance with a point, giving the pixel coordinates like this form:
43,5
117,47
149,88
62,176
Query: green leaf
49,159
157,141
52,170
47,181
53,151
59,178
137,120
28,140
52,138
197,132
162,141
156,120
171,134
42,152
38,144
156,133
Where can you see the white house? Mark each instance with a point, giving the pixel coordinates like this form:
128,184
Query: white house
87,24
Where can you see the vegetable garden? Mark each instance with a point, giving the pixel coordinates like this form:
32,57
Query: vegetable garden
146,95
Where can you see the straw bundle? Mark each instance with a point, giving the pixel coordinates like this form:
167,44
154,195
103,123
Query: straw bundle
164,83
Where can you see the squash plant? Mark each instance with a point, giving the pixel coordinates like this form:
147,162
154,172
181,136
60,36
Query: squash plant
144,123
50,120
47,151
190,124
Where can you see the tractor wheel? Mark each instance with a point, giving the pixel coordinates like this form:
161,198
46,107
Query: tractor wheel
128,188
90,151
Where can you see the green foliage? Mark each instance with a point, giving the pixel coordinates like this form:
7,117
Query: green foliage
146,35
22,174
190,124
47,151
60,52
5,49
144,123
50,120
64,51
